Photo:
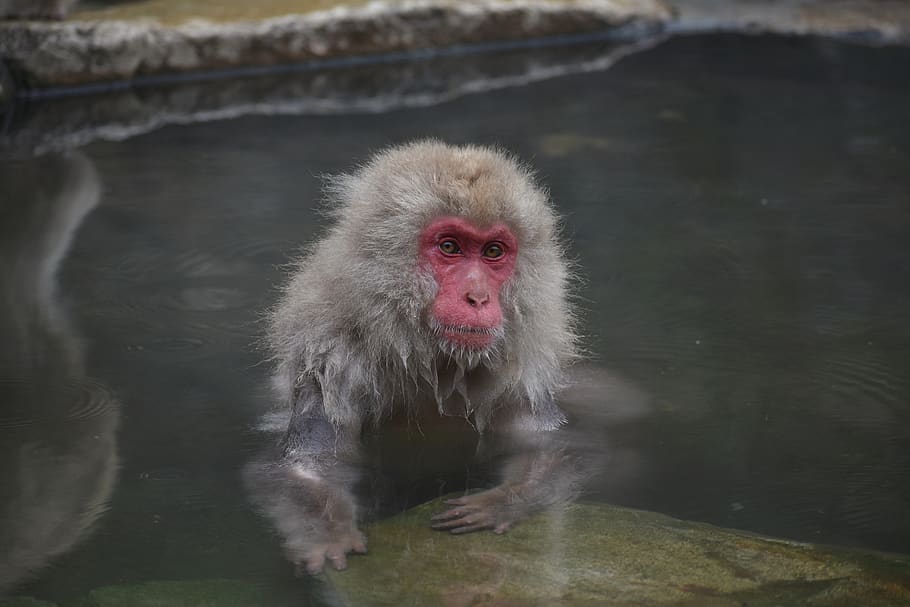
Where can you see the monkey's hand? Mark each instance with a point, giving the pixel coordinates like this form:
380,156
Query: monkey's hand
312,509
310,558
496,509
321,526
533,481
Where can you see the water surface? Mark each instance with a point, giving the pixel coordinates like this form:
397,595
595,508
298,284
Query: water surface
738,209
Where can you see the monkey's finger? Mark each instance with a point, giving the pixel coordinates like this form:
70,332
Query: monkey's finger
444,516
359,546
338,560
470,528
457,501
468,520
502,527
453,513
445,525
312,566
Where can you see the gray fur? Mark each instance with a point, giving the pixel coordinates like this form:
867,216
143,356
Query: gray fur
353,320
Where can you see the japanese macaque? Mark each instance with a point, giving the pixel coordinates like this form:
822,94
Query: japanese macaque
442,283
35,9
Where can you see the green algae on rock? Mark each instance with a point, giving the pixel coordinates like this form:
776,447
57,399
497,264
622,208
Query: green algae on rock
592,554
24,601
189,593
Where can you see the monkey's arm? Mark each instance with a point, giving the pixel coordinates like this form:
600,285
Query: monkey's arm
539,471
307,488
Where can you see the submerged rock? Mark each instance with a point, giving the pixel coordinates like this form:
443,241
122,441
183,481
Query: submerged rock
24,601
194,593
598,554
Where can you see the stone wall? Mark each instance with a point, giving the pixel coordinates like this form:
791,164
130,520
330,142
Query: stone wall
143,40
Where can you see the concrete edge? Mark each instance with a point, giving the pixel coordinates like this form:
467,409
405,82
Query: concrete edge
43,54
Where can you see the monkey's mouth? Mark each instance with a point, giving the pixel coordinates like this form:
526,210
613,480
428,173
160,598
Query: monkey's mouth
469,336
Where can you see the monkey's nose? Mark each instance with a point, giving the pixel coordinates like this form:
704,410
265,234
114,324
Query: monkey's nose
477,298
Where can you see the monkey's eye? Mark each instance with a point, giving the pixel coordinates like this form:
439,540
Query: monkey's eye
449,247
493,251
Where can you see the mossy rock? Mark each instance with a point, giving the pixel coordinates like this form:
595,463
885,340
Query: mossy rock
193,593
590,554
24,601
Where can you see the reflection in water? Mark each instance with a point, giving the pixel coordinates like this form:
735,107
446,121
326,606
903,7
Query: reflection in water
58,456
316,502
737,207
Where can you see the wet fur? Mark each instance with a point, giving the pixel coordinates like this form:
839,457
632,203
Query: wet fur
353,319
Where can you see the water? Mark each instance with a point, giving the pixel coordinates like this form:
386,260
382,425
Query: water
738,208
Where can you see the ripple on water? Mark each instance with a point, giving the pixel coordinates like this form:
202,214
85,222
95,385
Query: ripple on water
93,399
835,321
38,401
190,322
666,331
230,259
868,390
210,299
170,488
176,345
236,258
164,475
177,296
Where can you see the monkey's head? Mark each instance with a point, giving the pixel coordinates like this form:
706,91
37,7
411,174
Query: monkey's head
460,244
438,252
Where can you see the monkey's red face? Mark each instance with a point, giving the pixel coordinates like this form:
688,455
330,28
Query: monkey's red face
470,265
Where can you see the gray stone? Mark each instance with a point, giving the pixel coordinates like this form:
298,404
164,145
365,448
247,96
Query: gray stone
592,554
190,593
121,47
118,46
24,601
47,54
873,21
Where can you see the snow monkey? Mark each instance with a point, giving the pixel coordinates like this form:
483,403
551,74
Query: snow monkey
441,284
